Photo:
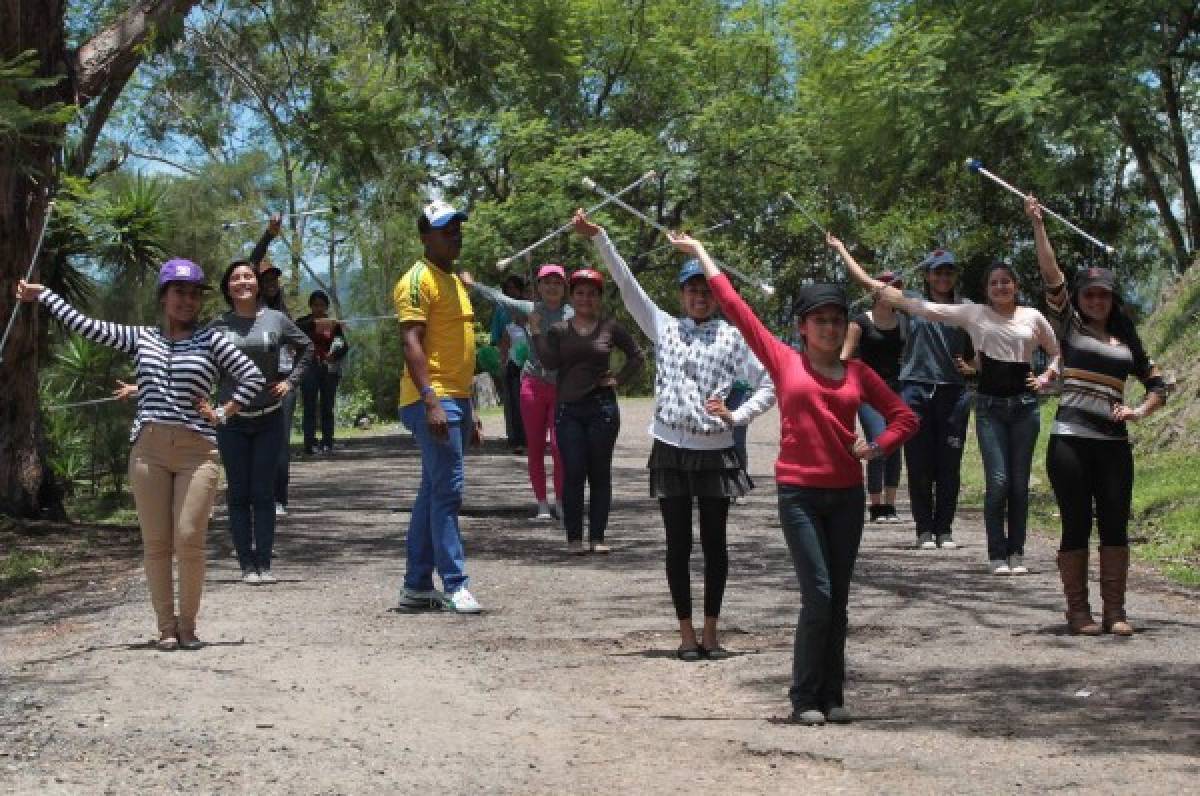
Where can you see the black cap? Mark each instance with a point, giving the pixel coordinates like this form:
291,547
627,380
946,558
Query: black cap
813,296
1096,277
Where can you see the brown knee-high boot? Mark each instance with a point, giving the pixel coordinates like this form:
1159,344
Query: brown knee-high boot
1114,571
1073,569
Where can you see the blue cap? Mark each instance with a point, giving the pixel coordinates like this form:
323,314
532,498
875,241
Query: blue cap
689,270
939,258
440,213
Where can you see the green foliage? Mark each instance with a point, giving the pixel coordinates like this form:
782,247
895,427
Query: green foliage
20,124
22,569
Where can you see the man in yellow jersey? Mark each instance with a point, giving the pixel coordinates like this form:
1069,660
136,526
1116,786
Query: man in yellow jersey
437,327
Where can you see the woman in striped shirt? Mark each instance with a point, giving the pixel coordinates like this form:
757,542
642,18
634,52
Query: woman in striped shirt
173,466
1089,459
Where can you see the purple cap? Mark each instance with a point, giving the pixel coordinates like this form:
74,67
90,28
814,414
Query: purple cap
181,270
552,269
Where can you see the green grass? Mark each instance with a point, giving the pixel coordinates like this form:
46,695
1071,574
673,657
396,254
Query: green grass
22,569
1165,525
108,508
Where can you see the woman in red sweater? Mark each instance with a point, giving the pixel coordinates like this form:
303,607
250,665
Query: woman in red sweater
818,473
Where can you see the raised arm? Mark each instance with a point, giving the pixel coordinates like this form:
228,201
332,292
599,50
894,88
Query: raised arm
274,225
114,335
647,314
516,308
890,295
771,351
1052,275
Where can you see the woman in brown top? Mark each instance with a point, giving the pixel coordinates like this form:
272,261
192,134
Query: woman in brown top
586,417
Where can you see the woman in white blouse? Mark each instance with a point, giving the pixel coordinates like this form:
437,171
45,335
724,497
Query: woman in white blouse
1005,335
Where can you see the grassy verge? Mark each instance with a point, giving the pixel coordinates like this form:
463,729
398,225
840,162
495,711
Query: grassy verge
1165,526
22,569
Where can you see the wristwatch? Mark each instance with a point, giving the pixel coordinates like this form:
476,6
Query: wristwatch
220,413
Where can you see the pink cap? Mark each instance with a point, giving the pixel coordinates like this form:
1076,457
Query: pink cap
552,269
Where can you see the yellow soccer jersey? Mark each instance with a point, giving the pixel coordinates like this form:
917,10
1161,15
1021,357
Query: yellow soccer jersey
438,299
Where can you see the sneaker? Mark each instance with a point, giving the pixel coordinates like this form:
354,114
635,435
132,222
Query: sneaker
889,515
809,718
875,511
543,514
421,600
925,542
999,567
839,715
600,547
250,576
462,602
280,510
946,542
1016,565
266,577
576,547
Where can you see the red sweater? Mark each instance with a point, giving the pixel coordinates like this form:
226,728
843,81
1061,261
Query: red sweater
817,414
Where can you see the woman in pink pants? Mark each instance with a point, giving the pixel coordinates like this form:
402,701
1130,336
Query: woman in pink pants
538,392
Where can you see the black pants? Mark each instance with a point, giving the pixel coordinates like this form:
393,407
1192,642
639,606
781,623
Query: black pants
587,433
1086,473
677,519
320,389
514,429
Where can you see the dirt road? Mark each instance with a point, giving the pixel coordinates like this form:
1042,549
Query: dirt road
965,683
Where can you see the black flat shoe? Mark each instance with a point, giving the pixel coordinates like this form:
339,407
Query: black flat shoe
717,653
689,654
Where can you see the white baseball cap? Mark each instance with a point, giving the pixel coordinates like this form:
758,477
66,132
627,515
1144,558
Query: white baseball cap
439,214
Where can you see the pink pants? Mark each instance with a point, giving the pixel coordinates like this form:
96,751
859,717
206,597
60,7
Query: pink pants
537,414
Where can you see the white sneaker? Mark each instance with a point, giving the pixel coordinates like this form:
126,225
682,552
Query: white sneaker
1016,565
280,510
946,542
925,542
421,600
543,513
266,577
250,576
462,602
999,567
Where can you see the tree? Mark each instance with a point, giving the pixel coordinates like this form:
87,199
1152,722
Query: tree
31,165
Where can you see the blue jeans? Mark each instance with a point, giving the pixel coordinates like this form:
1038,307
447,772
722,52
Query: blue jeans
1008,430
283,470
884,471
737,396
434,539
934,454
587,433
249,449
320,394
823,528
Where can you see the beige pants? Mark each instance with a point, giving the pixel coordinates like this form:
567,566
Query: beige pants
174,474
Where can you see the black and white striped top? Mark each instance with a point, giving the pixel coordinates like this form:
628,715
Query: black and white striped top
171,374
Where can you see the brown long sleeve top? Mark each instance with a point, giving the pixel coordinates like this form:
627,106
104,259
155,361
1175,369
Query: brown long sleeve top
582,361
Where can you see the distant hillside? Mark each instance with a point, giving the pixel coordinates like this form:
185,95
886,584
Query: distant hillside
1172,336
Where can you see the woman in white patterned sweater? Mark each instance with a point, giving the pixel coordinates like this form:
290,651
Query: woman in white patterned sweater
173,466
698,357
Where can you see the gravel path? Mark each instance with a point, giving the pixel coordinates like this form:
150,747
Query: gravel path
567,683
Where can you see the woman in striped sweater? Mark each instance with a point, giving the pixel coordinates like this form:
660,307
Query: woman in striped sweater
1089,459
173,466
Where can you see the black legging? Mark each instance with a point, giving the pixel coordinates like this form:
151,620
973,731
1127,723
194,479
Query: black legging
677,519
1083,471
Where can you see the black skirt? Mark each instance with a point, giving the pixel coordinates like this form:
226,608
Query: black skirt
680,472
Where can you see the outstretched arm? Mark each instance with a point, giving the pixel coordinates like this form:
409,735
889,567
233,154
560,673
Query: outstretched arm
1052,275
114,335
516,308
637,301
771,352
274,225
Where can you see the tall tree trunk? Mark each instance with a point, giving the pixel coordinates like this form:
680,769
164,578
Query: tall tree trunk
28,176
1158,194
1183,157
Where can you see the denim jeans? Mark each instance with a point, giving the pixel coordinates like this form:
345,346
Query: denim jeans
434,539
1008,430
934,454
249,449
283,470
587,433
737,396
884,471
823,528
320,390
